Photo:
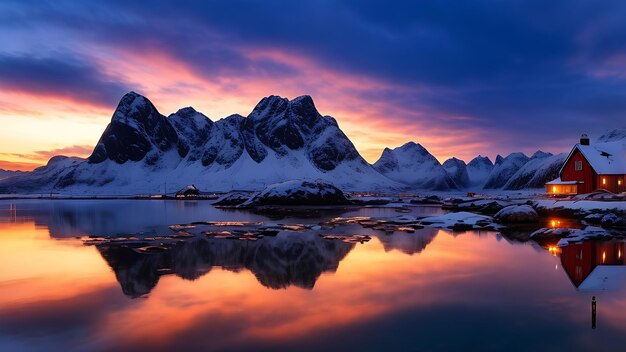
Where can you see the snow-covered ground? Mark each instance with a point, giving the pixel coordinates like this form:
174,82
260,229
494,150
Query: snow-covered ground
585,205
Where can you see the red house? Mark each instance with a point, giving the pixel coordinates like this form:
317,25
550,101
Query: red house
591,167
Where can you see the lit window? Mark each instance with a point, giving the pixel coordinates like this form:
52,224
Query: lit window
619,182
553,189
578,165
604,181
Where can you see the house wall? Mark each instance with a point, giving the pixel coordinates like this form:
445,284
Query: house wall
562,189
611,183
587,175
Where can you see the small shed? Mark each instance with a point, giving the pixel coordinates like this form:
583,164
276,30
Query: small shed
188,191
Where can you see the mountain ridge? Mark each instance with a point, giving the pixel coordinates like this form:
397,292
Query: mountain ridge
142,151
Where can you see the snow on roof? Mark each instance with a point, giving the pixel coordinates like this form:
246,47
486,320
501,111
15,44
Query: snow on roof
607,158
604,277
558,181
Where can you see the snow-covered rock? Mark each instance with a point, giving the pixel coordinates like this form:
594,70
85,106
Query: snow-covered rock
457,170
411,164
612,220
541,168
459,221
565,236
588,233
298,192
504,169
478,170
516,214
487,206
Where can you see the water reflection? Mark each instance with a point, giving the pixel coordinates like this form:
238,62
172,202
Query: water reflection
396,292
595,265
277,262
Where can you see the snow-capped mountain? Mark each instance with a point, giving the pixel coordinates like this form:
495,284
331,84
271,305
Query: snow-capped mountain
413,165
142,151
504,169
9,173
615,135
541,168
479,170
457,170
40,179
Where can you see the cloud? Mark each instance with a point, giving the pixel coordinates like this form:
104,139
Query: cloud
486,72
40,157
18,165
62,76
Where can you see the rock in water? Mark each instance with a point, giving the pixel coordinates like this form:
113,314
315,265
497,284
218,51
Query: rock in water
517,214
612,220
299,192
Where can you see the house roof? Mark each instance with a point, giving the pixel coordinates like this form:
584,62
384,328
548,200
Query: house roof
607,158
558,181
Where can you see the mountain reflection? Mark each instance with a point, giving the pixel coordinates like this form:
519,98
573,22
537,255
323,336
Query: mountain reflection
277,262
289,259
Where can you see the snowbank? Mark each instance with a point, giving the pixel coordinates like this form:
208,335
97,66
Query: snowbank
583,205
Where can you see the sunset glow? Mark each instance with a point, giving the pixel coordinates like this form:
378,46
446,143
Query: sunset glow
473,94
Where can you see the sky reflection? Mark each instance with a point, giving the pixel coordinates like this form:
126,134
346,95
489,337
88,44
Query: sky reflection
435,292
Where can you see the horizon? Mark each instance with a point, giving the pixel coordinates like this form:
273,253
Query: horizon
497,78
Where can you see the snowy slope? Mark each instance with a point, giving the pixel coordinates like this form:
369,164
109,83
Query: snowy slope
44,178
479,170
618,134
413,165
541,168
10,173
457,170
142,151
504,169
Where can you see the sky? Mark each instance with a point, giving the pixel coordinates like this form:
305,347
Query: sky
461,78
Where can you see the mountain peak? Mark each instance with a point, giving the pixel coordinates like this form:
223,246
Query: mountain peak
186,111
136,128
540,155
412,146
271,105
134,106
480,160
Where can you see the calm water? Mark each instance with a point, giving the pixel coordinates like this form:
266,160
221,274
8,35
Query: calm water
430,290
